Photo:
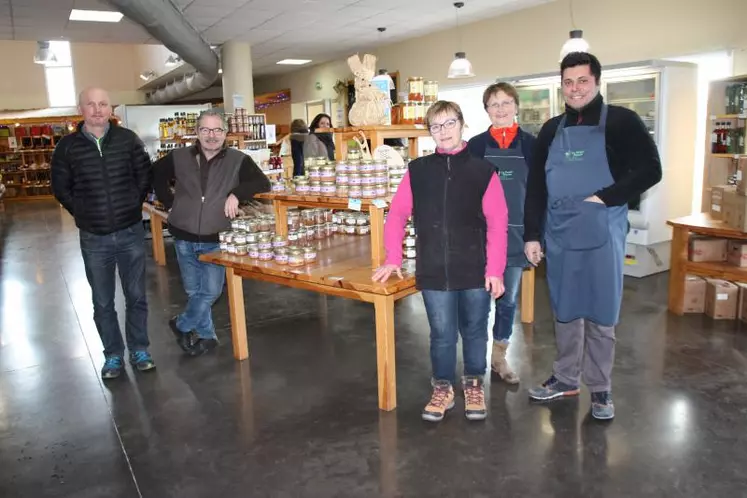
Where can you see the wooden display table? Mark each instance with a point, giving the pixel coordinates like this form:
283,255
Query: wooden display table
377,134
157,219
342,269
680,266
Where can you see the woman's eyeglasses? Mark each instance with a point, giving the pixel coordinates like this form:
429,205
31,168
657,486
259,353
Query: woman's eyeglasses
446,125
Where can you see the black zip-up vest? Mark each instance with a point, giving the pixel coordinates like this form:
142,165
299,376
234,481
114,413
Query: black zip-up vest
447,194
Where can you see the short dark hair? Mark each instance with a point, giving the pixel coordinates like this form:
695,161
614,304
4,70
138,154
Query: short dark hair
506,88
575,59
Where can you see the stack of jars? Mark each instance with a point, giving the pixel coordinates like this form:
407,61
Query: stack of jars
309,225
364,179
249,236
409,242
396,174
352,223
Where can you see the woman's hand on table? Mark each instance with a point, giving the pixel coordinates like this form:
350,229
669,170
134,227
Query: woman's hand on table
494,285
383,273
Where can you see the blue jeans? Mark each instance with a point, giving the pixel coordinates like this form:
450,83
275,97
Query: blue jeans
102,255
203,283
453,312
505,306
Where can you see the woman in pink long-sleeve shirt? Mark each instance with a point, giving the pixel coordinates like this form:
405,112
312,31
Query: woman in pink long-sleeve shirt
461,219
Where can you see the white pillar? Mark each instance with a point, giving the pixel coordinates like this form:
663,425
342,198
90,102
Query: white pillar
236,59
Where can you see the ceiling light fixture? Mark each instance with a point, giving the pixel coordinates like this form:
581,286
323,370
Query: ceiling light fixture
44,54
95,15
294,62
576,42
460,67
146,75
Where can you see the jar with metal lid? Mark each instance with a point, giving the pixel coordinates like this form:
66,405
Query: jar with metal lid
355,179
381,178
381,189
292,236
329,216
266,254
308,217
367,166
302,185
368,192
301,237
400,172
343,191
320,161
368,179
410,228
354,166
342,179
264,224
239,238
320,232
223,247
349,229
277,187
415,89
395,179
318,216
309,254
228,237
409,241
264,240
363,229
361,219
337,217
252,250
315,188
281,255
251,238
354,154
230,248
314,172
430,91
329,189
310,234
241,249
355,192
380,166
351,219
341,167
294,221
408,113
328,173
309,161
223,235
296,257
410,252
279,241
419,113
235,224
331,229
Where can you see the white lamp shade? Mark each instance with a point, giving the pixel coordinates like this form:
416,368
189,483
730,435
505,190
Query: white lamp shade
575,43
460,67
44,54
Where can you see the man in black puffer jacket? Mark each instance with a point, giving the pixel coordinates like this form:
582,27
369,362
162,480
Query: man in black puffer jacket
101,174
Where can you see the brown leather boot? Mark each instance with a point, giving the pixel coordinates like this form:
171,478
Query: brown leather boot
499,364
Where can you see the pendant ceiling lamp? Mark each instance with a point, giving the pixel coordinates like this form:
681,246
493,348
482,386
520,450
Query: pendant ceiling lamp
575,42
460,67
44,54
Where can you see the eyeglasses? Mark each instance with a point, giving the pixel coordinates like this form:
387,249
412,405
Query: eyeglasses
446,125
501,105
208,131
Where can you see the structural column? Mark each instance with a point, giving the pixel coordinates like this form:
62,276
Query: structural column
236,60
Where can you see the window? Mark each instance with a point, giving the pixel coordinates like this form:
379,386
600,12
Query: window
59,76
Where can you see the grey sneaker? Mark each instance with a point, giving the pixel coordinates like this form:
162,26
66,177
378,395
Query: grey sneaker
602,407
553,389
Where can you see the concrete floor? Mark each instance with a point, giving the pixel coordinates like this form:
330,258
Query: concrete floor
301,420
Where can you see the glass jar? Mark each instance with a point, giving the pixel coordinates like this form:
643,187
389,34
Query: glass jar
368,192
355,192
308,162
279,241
229,237
330,228
281,256
251,238
318,216
222,236
341,167
337,217
264,224
367,179
408,113
329,189
410,252
343,179
230,248
397,172
381,189
223,247
343,191
329,216
301,237
363,230
381,178
354,155
277,186
241,249
239,238
292,236
320,232
367,166
409,241
415,89
430,91
361,219
349,230
264,240
296,257
380,166
350,219
309,217
309,254
354,179
314,172
235,224
301,185
328,173
253,251
354,166
419,113
410,228
266,254
320,161
315,188
310,234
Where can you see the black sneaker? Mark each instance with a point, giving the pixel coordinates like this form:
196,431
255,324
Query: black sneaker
185,340
602,407
200,346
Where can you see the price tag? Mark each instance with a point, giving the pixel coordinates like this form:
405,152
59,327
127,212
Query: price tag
379,203
354,204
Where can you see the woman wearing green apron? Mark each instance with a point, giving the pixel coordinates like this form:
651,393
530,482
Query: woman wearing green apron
588,164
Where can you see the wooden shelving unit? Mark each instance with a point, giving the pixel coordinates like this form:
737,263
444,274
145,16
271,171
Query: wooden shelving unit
376,136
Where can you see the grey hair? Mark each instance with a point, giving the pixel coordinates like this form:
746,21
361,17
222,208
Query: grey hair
214,112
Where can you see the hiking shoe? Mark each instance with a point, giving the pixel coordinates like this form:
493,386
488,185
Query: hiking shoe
553,389
499,364
442,400
142,360
113,366
602,407
185,340
200,346
474,399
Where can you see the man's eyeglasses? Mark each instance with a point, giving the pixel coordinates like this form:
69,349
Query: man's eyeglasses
446,125
501,105
208,131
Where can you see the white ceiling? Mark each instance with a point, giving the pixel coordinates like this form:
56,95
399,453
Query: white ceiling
320,30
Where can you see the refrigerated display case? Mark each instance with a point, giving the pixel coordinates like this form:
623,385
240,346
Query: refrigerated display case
664,94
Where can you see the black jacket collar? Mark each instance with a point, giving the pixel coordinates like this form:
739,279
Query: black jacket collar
588,115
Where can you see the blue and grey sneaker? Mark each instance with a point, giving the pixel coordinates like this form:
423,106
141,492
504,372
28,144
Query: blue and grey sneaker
142,360
553,389
602,407
113,366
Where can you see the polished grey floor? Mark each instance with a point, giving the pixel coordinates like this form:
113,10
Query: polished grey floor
300,418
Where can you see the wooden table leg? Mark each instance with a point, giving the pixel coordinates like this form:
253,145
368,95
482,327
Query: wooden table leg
527,295
678,257
378,253
238,318
387,374
281,218
156,231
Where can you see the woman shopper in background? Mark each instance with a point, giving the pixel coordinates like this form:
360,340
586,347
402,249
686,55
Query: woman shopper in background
299,132
460,214
508,148
320,143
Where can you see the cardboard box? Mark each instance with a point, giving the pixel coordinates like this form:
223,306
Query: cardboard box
695,293
717,200
736,253
734,210
719,170
721,299
702,249
742,302
742,176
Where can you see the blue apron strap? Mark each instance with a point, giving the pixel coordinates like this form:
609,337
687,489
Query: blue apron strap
560,133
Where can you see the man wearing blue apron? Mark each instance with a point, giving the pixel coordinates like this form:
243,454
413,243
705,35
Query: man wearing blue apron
588,164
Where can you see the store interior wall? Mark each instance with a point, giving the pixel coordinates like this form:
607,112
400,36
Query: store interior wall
24,87
278,114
